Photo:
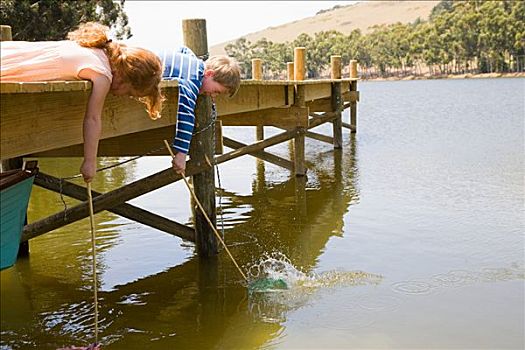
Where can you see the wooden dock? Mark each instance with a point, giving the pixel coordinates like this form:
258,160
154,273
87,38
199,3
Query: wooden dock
45,120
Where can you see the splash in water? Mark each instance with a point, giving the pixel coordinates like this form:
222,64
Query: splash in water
276,286
275,272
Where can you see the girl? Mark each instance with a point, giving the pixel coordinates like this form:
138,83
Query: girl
88,55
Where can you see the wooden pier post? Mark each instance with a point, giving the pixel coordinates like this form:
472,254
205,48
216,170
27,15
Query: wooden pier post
299,101
257,74
290,70
353,90
18,162
202,147
337,101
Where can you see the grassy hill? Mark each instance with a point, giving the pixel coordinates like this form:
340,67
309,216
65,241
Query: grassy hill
362,15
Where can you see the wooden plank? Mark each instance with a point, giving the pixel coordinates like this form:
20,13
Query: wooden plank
252,97
280,117
126,210
320,105
136,144
316,91
39,122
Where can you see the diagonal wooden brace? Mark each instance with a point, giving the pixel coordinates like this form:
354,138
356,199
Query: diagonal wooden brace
126,210
271,158
109,200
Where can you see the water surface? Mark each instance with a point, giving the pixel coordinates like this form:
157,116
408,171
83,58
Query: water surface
410,237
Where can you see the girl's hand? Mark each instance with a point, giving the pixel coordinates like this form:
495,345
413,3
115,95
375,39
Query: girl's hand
179,162
88,170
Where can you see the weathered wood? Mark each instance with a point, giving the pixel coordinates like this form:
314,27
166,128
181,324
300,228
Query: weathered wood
126,210
219,142
290,71
299,141
353,88
5,33
337,101
299,63
109,200
335,67
280,117
140,187
320,137
348,126
353,69
57,119
257,146
257,72
202,148
353,108
253,97
320,105
271,158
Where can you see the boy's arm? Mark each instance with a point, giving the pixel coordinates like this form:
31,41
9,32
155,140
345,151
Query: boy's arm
185,124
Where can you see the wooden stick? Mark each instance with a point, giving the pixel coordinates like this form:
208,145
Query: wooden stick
94,254
206,215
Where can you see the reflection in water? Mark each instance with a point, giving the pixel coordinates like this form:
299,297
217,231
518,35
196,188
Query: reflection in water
194,305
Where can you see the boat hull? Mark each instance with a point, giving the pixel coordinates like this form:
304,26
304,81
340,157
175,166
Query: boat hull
14,201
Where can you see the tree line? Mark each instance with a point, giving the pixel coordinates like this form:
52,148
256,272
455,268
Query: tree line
459,37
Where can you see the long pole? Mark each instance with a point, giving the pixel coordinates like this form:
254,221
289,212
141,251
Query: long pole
94,259
206,215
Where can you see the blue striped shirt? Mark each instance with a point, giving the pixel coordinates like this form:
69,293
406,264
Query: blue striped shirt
182,65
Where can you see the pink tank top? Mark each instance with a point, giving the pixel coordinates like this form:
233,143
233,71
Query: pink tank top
24,61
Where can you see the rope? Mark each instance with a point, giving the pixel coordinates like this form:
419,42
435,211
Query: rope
94,259
206,215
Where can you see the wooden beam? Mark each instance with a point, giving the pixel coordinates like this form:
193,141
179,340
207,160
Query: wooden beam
136,144
57,118
140,187
126,210
280,117
320,105
253,97
257,146
271,158
320,137
108,200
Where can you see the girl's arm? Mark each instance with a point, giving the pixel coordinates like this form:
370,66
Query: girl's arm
92,121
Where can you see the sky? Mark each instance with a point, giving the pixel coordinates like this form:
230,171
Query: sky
157,24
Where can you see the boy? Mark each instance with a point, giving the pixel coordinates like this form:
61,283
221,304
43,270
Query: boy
218,75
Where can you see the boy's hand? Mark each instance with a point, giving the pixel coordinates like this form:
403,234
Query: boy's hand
88,170
179,162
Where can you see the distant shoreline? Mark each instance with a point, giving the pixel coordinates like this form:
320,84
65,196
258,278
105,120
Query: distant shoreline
449,76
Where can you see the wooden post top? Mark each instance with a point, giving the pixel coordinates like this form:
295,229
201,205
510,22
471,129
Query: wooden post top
195,35
5,33
257,72
299,63
353,69
335,67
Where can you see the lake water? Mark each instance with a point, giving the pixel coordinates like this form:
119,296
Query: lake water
412,236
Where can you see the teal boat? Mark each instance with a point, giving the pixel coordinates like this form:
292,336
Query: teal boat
15,189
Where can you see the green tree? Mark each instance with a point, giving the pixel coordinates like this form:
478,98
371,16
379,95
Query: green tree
37,20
